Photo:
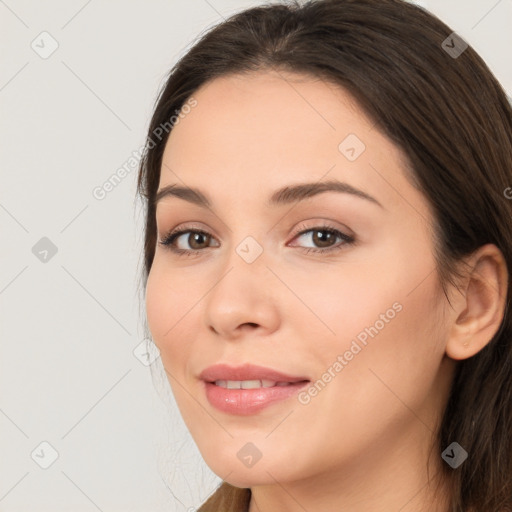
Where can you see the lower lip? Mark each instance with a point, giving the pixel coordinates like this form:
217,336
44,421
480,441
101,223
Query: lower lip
248,401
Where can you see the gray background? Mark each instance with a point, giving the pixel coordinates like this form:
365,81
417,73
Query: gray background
73,373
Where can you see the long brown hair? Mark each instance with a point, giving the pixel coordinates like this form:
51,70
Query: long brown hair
452,119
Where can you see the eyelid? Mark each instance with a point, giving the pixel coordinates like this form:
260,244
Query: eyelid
187,226
347,236
323,224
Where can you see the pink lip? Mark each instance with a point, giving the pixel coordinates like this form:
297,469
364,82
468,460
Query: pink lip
245,372
247,401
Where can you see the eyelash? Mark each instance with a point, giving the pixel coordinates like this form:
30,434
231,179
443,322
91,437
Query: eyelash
169,239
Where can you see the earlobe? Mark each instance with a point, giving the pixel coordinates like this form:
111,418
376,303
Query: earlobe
480,307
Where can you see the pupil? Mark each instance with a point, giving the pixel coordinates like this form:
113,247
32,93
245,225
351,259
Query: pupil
323,241
196,237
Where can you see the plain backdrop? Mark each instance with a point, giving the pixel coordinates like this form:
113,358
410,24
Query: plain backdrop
85,424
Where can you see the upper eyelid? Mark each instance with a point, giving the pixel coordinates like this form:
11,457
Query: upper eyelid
320,222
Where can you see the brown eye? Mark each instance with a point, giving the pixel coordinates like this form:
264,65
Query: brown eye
195,239
324,239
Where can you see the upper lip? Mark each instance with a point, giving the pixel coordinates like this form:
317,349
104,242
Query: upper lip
246,372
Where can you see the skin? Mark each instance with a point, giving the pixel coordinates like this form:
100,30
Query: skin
362,443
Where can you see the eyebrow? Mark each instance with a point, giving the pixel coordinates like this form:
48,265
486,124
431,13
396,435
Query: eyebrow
283,196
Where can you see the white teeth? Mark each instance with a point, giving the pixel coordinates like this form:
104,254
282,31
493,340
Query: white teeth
248,384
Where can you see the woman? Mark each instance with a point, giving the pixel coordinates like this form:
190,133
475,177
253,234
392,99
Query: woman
328,245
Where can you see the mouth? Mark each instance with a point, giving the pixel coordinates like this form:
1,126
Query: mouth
248,389
251,384
248,373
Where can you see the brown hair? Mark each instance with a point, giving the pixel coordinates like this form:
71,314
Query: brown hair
451,118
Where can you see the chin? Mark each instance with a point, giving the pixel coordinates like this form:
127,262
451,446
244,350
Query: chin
232,469
248,478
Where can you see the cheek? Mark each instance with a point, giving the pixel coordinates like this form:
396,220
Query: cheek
334,304
384,319
390,358
169,310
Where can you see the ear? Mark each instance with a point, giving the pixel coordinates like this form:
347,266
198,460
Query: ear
480,307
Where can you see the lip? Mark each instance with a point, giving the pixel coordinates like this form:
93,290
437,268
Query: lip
245,402
246,372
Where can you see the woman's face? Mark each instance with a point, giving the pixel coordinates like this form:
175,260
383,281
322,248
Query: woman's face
267,285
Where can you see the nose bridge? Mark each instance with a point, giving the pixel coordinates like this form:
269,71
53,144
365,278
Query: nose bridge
250,250
244,270
242,294
247,238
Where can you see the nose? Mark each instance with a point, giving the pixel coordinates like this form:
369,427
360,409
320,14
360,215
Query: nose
243,300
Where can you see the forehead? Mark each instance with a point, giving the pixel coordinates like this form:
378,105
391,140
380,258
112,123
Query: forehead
286,114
